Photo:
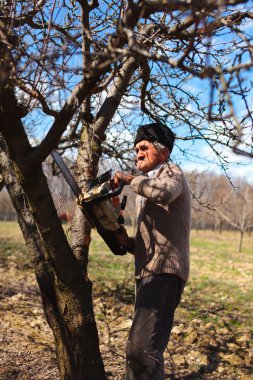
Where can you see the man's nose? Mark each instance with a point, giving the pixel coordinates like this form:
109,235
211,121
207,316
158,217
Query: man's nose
140,156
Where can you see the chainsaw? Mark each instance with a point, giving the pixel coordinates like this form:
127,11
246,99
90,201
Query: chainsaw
100,204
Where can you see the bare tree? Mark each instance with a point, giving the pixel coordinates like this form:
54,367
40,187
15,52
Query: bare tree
207,191
66,71
237,210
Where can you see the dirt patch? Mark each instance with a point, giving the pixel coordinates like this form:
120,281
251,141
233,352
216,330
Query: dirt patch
27,349
205,344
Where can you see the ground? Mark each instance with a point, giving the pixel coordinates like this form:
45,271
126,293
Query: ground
212,336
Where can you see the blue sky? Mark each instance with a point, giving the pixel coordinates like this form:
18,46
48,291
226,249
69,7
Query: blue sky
198,155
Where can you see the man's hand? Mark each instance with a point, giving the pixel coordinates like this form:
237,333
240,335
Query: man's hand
124,239
118,176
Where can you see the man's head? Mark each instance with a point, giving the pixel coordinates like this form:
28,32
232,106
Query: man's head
153,145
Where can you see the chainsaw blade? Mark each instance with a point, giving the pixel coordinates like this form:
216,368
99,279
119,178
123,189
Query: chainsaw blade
66,173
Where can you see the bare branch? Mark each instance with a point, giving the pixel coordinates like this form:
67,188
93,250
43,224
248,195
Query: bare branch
36,94
114,96
201,6
52,138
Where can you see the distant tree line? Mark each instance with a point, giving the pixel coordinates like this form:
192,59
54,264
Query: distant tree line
220,204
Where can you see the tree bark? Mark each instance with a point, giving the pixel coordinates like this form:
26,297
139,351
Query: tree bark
66,290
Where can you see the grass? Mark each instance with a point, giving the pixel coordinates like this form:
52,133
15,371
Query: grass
214,258
219,274
104,265
12,246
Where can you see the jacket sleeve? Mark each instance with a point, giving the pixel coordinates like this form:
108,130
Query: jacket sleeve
163,189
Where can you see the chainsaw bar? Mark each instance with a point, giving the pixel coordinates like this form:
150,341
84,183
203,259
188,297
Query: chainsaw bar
107,235
66,173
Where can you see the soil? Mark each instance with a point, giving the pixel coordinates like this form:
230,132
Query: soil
199,349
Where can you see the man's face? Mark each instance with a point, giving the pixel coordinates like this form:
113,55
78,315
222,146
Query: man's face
147,156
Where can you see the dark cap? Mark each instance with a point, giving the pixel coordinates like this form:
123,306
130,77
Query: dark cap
156,132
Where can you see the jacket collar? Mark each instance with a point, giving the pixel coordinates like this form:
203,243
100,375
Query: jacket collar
157,170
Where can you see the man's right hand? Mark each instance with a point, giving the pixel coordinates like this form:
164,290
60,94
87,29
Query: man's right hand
119,176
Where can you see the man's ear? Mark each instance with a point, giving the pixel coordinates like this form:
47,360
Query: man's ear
165,154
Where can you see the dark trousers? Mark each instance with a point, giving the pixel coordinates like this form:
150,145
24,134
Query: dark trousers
157,297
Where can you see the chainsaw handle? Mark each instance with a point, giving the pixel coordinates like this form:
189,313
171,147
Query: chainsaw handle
110,194
118,190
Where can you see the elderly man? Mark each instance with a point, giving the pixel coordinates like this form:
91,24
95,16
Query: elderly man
160,247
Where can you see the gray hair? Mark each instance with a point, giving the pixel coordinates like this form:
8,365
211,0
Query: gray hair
160,147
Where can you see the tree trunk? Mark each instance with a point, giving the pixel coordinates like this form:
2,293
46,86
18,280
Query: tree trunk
240,241
66,290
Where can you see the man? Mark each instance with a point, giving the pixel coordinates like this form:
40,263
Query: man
160,247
